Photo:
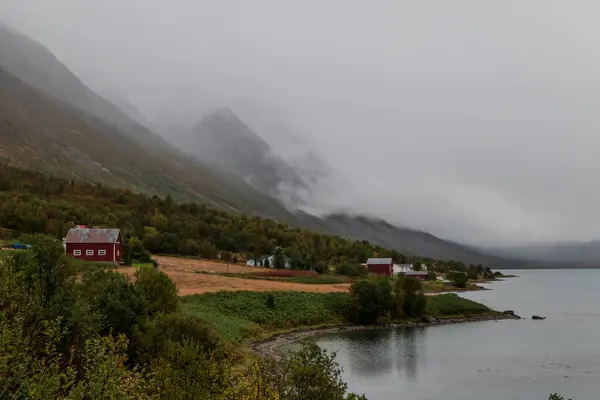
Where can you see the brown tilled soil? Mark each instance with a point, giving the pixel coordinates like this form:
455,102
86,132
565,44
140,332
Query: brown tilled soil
201,276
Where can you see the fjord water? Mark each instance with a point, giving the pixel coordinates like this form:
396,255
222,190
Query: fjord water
494,360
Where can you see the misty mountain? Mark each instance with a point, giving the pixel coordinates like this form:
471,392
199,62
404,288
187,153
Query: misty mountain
223,140
129,109
566,252
51,122
35,65
408,241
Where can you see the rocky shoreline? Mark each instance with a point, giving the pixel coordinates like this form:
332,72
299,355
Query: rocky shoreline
271,346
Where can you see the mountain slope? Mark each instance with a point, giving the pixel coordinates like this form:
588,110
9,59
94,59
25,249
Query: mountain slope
223,140
40,133
407,241
35,65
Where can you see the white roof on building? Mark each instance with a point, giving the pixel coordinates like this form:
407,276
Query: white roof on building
373,261
409,273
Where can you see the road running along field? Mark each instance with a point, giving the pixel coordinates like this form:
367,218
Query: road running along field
194,276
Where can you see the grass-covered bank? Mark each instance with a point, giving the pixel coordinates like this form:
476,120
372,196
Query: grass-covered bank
240,315
237,316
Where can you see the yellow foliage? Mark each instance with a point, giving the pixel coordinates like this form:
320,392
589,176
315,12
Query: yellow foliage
251,385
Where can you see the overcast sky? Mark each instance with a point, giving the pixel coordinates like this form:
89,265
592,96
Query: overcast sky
476,120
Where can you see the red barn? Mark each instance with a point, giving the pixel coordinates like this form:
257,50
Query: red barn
380,266
95,244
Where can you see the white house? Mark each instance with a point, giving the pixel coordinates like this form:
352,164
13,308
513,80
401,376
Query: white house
401,268
261,262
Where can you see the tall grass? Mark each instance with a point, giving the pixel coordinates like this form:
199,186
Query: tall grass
238,315
453,304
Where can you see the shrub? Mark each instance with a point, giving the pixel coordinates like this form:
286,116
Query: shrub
115,297
184,371
307,373
151,337
460,279
270,301
414,297
370,299
158,290
352,270
320,267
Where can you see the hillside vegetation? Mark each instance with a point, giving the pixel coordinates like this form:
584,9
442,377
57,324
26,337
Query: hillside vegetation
35,203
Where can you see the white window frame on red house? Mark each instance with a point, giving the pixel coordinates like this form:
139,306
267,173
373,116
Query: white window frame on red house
101,252
89,252
76,253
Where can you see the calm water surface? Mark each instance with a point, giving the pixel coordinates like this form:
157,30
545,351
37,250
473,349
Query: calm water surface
496,360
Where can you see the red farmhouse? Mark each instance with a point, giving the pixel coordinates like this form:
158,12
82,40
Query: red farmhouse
381,266
95,244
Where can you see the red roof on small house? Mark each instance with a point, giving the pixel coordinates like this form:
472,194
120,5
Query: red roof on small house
78,235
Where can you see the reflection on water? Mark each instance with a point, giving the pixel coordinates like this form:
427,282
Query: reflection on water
495,360
380,351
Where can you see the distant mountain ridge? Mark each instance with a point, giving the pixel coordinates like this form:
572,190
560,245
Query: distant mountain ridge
565,252
223,140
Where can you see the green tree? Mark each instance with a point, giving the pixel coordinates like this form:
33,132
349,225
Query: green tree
309,373
460,279
414,297
370,299
158,291
279,259
320,267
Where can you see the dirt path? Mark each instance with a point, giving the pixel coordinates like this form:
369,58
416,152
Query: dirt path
201,276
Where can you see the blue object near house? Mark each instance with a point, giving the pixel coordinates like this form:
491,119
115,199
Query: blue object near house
21,246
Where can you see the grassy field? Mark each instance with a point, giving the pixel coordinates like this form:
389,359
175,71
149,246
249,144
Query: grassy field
451,304
240,315
440,287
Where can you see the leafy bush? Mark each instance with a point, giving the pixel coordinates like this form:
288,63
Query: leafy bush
413,297
370,299
307,373
116,299
152,337
320,267
352,270
270,301
460,279
158,290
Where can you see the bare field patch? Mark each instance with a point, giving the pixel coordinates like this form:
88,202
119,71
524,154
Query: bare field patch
202,276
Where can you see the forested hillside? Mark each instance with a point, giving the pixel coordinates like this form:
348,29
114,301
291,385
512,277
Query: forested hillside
35,203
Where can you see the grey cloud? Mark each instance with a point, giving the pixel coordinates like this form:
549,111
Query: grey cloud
475,120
